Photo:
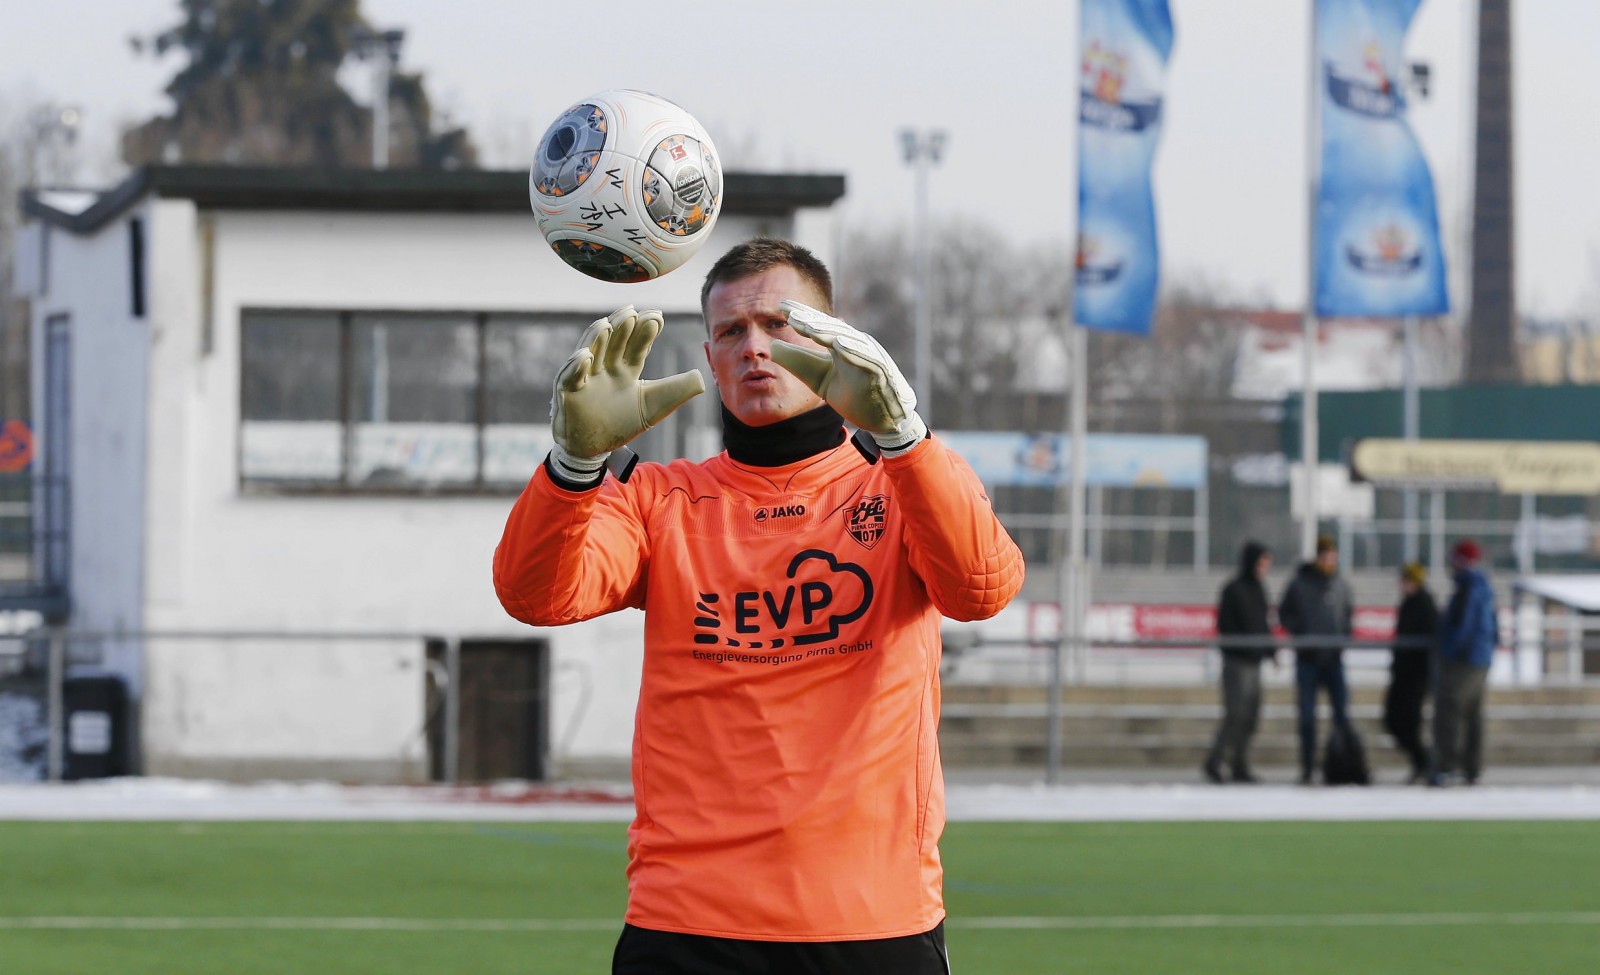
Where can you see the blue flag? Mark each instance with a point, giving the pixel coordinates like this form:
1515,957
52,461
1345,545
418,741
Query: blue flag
1377,225
1123,48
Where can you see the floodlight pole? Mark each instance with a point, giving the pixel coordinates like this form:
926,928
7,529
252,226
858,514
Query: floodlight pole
383,46
922,151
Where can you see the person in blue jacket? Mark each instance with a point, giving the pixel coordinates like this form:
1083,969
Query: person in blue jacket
1468,633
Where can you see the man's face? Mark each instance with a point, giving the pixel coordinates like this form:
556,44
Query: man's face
1263,565
742,319
1328,561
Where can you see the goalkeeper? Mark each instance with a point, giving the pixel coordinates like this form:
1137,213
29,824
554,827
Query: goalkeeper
788,792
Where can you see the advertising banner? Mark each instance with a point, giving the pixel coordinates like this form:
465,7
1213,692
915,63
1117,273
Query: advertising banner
1377,225
1123,48
1111,459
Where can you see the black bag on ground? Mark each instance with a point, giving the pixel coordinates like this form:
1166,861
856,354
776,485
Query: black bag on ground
1344,762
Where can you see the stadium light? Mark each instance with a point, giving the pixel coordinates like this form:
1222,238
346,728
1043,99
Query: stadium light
55,130
922,151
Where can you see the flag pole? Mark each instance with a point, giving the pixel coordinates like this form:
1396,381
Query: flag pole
1077,508
1072,576
1309,453
1412,428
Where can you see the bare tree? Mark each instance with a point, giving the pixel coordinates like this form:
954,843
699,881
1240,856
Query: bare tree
987,301
1192,352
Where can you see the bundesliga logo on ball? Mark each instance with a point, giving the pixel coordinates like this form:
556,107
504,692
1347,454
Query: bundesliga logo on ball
625,186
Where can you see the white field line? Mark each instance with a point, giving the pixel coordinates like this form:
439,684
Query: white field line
1158,921
1284,920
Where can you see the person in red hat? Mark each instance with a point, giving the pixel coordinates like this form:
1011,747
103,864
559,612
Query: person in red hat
1468,634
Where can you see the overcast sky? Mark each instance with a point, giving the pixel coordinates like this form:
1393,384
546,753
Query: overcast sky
826,85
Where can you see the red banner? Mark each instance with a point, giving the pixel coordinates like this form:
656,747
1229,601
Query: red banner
16,446
1181,622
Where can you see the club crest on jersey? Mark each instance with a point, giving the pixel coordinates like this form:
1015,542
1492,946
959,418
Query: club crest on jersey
865,521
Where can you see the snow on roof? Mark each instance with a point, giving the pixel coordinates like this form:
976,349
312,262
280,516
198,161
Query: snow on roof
68,201
1581,592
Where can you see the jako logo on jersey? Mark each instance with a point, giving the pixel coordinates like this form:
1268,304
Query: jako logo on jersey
810,606
781,511
866,520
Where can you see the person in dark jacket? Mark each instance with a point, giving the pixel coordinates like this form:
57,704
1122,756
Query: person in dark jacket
1317,609
1467,638
1241,612
1415,630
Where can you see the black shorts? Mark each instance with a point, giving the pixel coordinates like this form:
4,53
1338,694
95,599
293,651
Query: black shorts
641,951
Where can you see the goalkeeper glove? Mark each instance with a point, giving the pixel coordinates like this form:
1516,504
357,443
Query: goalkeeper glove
855,375
599,403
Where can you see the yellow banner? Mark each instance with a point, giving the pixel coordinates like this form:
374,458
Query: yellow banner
1508,466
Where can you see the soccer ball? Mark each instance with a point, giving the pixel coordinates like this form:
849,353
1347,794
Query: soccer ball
625,186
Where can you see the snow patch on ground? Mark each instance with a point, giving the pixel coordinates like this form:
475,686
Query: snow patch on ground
188,800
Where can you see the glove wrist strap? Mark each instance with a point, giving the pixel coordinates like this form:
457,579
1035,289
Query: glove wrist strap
910,433
580,471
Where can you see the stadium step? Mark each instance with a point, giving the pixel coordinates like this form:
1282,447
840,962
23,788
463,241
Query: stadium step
1154,727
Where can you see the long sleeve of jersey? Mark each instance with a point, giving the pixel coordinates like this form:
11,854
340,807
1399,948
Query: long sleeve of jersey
786,772
957,546
567,556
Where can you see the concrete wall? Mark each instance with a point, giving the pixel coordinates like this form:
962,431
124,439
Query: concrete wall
89,282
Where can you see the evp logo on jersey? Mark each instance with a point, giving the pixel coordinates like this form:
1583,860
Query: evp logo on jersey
823,594
865,521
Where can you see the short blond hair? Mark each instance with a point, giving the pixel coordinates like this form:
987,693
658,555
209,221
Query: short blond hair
763,254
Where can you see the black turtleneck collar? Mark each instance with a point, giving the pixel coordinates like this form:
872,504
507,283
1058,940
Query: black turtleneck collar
783,442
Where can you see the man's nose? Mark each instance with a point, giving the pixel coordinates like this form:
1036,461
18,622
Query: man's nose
757,345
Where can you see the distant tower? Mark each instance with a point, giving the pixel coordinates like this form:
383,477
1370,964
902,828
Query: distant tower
1492,331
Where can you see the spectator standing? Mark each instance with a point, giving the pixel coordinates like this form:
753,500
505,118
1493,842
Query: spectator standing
1416,629
1467,637
1241,612
1317,609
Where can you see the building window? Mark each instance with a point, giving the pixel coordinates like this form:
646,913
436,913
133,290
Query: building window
521,358
368,401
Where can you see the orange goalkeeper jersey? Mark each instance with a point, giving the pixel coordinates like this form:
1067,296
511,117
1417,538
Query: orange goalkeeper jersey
785,756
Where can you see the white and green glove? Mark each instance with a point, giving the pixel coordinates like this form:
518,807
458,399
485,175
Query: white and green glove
599,402
855,375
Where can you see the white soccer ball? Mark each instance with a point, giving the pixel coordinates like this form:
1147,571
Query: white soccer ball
625,186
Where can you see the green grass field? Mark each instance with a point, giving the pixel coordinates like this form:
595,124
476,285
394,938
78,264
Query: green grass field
1236,898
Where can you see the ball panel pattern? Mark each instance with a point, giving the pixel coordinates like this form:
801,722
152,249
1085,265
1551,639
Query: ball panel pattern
570,150
625,186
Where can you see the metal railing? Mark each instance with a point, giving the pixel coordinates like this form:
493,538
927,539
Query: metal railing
60,651
34,551
1366,543
1559,646
1068,661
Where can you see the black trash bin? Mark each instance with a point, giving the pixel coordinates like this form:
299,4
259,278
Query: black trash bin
95,713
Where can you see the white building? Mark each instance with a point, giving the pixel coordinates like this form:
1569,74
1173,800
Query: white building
302,402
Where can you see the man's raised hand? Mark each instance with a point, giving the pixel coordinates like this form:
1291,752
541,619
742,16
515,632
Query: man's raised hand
855,375
599,402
